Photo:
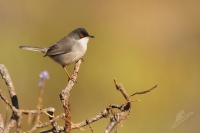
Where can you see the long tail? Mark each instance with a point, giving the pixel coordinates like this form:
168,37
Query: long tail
33,48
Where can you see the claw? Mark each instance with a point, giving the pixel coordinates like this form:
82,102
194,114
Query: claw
74,80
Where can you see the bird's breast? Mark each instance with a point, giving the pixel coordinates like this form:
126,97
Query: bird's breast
83,43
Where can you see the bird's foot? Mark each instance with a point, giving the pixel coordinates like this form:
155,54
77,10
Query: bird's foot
72,79
82,59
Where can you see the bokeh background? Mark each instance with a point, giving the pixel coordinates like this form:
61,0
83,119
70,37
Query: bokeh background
140,42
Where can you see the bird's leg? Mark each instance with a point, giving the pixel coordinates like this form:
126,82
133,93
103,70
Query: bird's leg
70,77
67,73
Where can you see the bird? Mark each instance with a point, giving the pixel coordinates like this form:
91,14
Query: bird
68,50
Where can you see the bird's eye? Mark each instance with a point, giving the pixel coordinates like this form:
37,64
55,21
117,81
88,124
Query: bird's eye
81,35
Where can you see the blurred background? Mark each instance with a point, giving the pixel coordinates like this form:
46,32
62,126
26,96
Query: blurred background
141,43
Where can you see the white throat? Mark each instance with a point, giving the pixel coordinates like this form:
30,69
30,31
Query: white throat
84,42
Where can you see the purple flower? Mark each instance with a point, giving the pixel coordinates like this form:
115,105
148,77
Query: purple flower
43,76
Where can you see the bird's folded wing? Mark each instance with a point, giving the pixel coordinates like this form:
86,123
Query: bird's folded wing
58,49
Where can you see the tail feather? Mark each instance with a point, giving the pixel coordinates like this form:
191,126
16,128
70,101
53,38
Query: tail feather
33,48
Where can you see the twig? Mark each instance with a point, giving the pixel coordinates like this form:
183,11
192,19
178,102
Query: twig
120,87
44,124
55,128
19,122
119,117
26,112
103,114
143,92
5,75
90,127
1,123
7,102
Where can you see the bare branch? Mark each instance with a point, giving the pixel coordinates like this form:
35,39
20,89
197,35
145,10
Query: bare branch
116,117
103,114
5,75
120,87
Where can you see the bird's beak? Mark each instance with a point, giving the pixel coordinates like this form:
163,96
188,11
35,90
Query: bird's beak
91,36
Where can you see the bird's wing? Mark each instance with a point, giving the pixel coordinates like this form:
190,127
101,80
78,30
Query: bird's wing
63,46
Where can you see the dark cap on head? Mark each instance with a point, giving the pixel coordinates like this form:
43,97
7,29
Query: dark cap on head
80,33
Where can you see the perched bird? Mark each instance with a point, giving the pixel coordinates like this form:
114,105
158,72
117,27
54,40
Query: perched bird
68,50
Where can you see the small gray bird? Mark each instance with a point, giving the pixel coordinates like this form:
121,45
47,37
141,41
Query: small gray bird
68,50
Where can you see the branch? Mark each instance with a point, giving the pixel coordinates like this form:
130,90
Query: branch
1,123
5,75
49,111
120,87
26,112
65,94
116,117
45,124
143,92
125,109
